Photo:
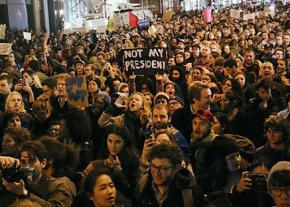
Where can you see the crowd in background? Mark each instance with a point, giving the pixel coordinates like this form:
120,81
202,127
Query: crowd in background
210,130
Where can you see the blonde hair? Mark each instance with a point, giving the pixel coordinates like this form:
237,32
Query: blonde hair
9,97
146,106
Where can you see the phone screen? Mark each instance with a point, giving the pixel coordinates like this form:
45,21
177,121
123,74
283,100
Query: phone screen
26,82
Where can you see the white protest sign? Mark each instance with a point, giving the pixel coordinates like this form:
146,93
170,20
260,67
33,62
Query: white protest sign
27,35
2,31
5,48
235,13
269,10
249,16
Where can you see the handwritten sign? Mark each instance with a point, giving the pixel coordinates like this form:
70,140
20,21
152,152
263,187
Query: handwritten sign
269,10
5,48
77,91
249,16
27,35
2,31
145,61
235,13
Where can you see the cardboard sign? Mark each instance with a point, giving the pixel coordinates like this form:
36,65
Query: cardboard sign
77,91
235,13
2,31
249,16
5,48
27,35
145,61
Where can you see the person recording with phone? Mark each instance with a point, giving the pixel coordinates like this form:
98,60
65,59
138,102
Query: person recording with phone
26,178
29,87
252,185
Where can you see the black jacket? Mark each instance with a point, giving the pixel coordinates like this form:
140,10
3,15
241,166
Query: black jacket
183,181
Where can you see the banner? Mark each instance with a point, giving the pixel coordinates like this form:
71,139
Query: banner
145,61
27,35
235,13
5,48
207,15
2,31
77,91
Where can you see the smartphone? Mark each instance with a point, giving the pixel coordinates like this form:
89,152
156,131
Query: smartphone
26,82
21,82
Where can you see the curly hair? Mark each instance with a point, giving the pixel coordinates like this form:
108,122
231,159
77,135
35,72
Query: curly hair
171,152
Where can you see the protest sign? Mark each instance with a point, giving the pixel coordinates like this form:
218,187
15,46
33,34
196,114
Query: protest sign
27,35
143,24
2,31
111,24
77,91
235,13
207,15
145,61
5,48
249,16
167,15
269,10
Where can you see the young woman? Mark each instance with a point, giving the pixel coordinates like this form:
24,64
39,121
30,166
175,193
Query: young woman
136,117
100,189
119,153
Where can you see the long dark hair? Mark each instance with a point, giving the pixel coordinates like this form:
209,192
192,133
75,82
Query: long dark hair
128,155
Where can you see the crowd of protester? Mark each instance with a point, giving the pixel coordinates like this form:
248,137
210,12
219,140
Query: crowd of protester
211,130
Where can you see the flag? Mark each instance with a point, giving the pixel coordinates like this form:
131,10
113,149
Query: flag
133,20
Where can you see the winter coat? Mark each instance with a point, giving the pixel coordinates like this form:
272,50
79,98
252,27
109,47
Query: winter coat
183,192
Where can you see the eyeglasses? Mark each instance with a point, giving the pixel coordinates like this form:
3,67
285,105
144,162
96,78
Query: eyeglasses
161,169
277,191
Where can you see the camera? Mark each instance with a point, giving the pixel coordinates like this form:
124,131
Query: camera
259,181
16,174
